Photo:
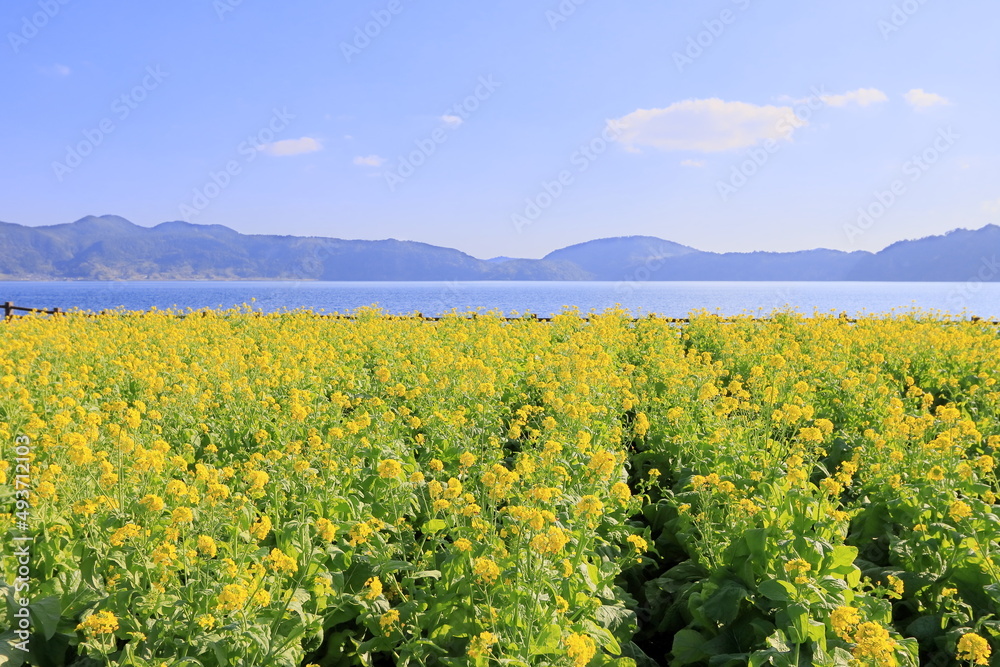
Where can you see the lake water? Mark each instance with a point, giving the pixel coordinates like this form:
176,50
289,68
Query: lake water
672,299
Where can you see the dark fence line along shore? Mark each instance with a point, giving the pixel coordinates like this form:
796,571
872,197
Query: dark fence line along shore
10,310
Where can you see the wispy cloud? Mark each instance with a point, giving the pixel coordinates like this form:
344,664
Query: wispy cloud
862,97
288,147
451,121
56,70
921,99
707,126
369,161
693,163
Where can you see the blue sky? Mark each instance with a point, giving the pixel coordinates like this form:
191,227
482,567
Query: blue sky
508,128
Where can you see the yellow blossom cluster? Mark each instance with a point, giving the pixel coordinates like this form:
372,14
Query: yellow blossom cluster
489,486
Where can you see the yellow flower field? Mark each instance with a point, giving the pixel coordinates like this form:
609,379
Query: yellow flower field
234,488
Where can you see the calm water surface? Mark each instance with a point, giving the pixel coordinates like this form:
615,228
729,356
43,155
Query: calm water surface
673,299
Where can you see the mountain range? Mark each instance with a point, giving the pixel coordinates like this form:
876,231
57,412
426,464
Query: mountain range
112,248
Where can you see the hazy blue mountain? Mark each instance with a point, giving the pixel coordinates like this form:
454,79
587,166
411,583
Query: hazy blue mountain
958,256
112,248
619,258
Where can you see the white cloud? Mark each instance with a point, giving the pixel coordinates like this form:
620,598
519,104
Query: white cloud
56,70
706,126
992,206
452,121
862,97
292,147
921,99
693,163
369,161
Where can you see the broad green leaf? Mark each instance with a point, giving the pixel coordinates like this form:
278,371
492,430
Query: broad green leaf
221,652
10,656
842,559
45,615
795,620
605,639
548,640
723,605
434,526
687,647
614,617
776,589
924,628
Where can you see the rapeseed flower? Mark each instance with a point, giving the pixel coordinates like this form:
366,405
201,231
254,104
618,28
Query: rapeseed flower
374,586
388,620
326,529
638,543
480,645
101,623
125,533
261,527
973,648
207,546
278,561
232,598
485,570
843,620
390,469
959,510
873,643
580,649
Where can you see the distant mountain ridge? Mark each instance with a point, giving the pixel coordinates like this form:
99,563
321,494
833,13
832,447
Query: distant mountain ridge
112,248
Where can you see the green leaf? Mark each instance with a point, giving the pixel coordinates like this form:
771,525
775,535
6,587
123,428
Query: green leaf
795,620
9,655
221,654
547,640
910,651
434,526
842,559
591,576
398,566
757,544
723,606
776,589
337,616
614,617
728,660
924,628
779,653
604,638
45,615
817,632
687,647
441,630
299,597
88,565
686,571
